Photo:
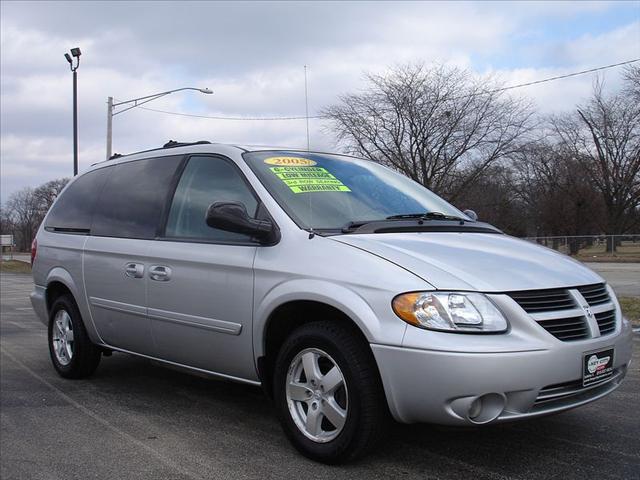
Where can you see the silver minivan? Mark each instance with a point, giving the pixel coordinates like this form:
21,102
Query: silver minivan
350,293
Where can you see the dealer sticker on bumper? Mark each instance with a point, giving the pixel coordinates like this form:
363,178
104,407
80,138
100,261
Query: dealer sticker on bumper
597,366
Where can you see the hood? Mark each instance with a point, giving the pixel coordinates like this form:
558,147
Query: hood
475,261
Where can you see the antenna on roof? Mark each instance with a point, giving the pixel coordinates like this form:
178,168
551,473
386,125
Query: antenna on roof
306,104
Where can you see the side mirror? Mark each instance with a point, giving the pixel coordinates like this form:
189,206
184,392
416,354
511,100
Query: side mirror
233,217
471,214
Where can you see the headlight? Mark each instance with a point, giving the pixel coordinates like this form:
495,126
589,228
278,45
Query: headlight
450,311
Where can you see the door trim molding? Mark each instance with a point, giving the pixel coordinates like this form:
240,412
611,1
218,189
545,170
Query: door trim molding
118,306
222,326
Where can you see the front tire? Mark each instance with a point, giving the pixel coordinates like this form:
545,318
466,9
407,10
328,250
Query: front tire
72,353
328,393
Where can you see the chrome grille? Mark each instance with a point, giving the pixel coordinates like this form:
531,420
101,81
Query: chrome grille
595,294
537,301
566,329
606,322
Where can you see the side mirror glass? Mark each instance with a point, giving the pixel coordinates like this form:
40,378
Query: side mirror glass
233,217
471,214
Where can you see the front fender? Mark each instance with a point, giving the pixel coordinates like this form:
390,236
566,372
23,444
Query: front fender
340,297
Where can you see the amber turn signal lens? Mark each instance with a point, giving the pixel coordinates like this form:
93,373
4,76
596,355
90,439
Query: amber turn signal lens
405,307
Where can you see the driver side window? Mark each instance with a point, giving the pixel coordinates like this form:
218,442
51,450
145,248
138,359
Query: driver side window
207,180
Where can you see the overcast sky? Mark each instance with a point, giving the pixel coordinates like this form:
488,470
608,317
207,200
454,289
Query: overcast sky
252,55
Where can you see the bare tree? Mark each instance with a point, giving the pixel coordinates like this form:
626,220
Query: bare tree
604,137
25,209
438,125
494,196
555,192
26,215
632,82
6,223
46,193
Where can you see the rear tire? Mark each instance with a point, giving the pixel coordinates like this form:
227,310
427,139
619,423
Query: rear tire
72,353
328,393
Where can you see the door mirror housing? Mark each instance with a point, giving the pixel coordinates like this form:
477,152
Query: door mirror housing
233,217
471,214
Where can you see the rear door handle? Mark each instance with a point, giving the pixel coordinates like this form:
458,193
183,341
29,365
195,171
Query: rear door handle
134,270
160,273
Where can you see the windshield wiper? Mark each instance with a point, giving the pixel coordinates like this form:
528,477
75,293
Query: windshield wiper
426,216
351,226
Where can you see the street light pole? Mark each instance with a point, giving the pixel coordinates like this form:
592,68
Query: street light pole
133,103
75,123
75,52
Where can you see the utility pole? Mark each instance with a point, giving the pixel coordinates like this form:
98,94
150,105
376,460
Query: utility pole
75,52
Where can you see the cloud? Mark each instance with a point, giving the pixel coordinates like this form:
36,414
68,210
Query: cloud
252,56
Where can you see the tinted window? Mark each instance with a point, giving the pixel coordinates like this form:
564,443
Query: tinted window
207,180
73,210
132,200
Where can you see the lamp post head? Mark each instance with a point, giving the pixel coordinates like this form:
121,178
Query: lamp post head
75,53
206,90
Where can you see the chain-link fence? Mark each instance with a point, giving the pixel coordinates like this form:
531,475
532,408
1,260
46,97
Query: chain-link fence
594,246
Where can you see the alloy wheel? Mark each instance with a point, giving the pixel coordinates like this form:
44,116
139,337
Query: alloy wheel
317,395
62,337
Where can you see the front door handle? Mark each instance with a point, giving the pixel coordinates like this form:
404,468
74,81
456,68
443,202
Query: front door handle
134,270
160,273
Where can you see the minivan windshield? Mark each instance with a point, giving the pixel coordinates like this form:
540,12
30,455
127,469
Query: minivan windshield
326,192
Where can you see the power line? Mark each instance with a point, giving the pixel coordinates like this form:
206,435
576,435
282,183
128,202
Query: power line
559,77
306,117
181,114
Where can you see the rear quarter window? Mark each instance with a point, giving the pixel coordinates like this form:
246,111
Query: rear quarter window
73,210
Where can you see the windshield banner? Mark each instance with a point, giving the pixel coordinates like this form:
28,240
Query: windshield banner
309,179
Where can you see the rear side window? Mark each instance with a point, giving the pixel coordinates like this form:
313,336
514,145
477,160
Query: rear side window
72,212
204,181
133,198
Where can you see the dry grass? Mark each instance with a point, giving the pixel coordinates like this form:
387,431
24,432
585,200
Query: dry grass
627,252
607,258
15,266
623,250
631,309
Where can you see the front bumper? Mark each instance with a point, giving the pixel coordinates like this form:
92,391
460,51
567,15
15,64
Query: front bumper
436,377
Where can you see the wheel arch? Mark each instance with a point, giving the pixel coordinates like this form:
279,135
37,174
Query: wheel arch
59,282
289,306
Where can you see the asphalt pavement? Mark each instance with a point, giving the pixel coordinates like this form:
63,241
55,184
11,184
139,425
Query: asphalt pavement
135,419
623,277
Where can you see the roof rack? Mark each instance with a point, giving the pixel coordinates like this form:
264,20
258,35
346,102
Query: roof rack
169,144
174,144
